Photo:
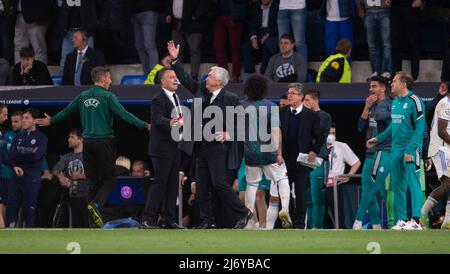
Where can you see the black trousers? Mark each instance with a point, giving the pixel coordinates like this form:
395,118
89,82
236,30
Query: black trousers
405,27
99,157
213,176
298,175
163,192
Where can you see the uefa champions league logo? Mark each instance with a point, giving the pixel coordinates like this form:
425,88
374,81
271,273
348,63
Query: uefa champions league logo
126,192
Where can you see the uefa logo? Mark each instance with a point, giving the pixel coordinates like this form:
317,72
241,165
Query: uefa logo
126,192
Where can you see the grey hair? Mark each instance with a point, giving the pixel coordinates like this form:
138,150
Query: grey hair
299,87
221,75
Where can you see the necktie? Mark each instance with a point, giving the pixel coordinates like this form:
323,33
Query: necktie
177,105
78,69
293,111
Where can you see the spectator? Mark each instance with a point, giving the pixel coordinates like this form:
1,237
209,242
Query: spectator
70,172
79,63
30,72
338,21
376,16
75,15
28,152
109,39
231,14
123,165
5,72
153,77
262,35
7,30
292,20
336,67
31,27
139,169
286,66
301,133
188,21
405,19
145,19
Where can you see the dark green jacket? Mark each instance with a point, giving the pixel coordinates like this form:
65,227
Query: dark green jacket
97,107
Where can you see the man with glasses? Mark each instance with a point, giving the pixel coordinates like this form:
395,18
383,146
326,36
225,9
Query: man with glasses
301,133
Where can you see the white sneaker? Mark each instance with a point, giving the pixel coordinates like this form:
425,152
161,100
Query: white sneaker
412,225
372,75
400,225
251,224
357,225
386,75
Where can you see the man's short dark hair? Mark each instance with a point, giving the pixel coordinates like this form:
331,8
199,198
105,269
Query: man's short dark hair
77,132
161,73
288,37
33,112
380,80
333,125
84,33
255,88
98,72
26,52
17,113
406,77
314,93
2,106
343,46
284,96
140,162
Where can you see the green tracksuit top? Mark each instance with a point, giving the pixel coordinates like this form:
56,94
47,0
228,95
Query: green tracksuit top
97,107
407,124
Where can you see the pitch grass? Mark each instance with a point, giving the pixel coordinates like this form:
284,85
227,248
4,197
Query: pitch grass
223,241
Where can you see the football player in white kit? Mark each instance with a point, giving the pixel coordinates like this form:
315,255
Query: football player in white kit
439,151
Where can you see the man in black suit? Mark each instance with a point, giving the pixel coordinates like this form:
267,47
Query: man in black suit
301,134
217,155
79,63
166,115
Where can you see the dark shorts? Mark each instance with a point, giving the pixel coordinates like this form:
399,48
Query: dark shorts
3,190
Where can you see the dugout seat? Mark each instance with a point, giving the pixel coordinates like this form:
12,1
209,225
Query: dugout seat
130,80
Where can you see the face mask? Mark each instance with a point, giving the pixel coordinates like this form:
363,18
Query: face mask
331,139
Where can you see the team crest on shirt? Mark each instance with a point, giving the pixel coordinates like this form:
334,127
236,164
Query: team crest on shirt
91,103
381,169
405,106
447,112
33,141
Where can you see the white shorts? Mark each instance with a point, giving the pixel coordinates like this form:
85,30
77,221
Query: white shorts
273,172
441,161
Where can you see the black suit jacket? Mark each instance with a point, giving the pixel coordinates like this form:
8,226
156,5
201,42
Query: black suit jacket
161,143
235,150
309,132
256,21
36,11
93,58
88,14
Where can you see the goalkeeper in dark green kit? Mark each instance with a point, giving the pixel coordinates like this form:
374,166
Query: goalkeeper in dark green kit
97,107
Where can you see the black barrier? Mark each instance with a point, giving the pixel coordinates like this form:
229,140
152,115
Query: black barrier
331,93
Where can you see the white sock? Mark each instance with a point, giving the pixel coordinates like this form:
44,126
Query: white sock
376,227
357,225
272,215
250,196
285,192
447,213
428,205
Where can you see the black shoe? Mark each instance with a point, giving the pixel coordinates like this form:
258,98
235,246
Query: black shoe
149,224
243,221
207,225
171,226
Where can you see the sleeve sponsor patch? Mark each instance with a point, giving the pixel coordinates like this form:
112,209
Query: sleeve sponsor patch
335,65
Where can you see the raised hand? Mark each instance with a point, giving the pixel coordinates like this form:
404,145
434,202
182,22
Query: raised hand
43,122
173,50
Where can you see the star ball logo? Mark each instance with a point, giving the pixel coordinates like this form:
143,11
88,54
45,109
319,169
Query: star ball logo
126,192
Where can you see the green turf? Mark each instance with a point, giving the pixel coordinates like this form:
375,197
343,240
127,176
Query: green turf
223,241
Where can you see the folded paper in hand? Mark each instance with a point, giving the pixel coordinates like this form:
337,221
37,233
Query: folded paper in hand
303,160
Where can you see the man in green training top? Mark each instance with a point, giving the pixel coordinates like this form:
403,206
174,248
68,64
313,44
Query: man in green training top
97,107
406,130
